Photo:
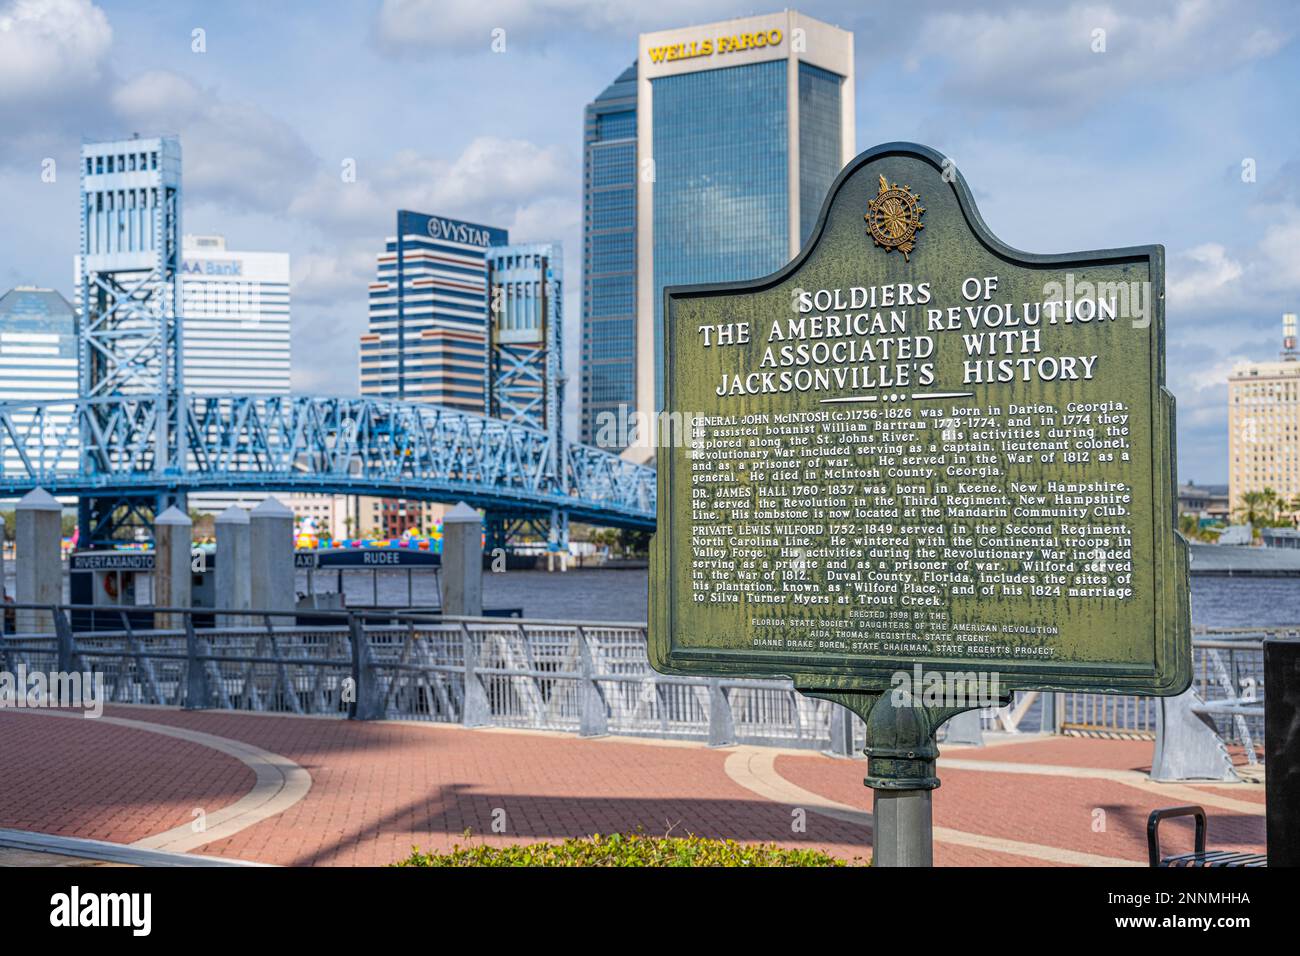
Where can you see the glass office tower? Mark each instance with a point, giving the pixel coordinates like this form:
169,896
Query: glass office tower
741,128
609,254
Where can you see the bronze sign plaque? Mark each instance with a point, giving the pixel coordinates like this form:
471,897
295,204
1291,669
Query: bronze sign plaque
915,445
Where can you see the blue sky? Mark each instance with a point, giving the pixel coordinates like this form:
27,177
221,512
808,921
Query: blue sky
1065,148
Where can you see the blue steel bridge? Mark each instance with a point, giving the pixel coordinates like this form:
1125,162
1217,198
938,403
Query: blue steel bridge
107,448
136,441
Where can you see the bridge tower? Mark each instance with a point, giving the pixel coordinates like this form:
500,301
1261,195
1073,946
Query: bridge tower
129,333
524,374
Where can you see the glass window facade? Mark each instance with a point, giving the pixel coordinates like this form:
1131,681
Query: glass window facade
721,205
819,142
614,165
609,255
721,196
614,251
620,125
38,362
611,297
611,209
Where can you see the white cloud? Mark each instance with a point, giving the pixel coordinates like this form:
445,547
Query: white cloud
549,217
234,153
495,181
1209,278
1045,57
325,278
1212,377
49,47
1279,250
466,26
158,93
1202,275
53,77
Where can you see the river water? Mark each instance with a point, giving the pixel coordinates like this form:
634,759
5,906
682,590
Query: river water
620,595
599,595
1245,602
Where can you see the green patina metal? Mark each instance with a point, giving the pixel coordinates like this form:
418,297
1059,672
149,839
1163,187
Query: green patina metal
900,741
1112,620
1138,644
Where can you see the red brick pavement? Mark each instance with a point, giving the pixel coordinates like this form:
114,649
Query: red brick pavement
380,788
77,777
1066,752
1050,810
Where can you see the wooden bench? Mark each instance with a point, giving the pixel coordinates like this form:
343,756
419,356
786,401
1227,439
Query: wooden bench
1199,856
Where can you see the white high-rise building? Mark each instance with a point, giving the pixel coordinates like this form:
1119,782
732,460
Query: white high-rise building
235,309
235,330
1264,425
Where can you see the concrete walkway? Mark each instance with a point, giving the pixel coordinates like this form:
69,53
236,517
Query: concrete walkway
314,791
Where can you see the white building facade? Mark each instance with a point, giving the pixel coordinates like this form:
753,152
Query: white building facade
235,312
235,321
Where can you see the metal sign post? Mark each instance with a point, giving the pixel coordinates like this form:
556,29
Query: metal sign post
901,753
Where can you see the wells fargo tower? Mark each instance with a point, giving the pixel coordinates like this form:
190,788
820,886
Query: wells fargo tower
741,128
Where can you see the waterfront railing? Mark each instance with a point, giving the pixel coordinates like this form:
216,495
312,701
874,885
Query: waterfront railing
582,677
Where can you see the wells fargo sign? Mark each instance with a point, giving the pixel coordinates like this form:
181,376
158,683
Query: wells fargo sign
758,40
915,444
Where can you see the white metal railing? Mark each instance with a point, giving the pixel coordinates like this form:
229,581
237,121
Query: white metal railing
1228,666
583,677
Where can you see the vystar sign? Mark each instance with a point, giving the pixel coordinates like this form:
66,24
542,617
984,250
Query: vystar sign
916,445
450,230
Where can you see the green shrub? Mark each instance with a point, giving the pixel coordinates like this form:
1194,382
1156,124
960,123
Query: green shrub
626,849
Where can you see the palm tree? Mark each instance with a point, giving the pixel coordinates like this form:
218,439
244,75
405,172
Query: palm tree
1250,508
1272,503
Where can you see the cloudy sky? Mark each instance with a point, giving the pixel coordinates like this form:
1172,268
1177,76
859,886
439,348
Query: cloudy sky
1066,148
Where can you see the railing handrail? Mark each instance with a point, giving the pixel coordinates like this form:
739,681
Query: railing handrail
480,669
341,614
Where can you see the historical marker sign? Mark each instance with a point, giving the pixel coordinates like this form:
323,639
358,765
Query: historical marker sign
915,444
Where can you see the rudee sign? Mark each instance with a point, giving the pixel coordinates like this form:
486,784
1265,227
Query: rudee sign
916,445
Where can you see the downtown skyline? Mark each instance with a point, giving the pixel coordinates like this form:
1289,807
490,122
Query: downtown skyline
1127,146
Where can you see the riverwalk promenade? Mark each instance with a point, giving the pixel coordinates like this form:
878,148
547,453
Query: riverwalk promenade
316,791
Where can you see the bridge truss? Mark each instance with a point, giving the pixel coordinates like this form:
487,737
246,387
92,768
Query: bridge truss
136,441
316,445
129,323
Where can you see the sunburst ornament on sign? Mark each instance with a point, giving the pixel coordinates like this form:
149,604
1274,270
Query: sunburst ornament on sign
894,217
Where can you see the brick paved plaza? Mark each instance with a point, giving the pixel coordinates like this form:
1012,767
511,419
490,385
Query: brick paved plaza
303,791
